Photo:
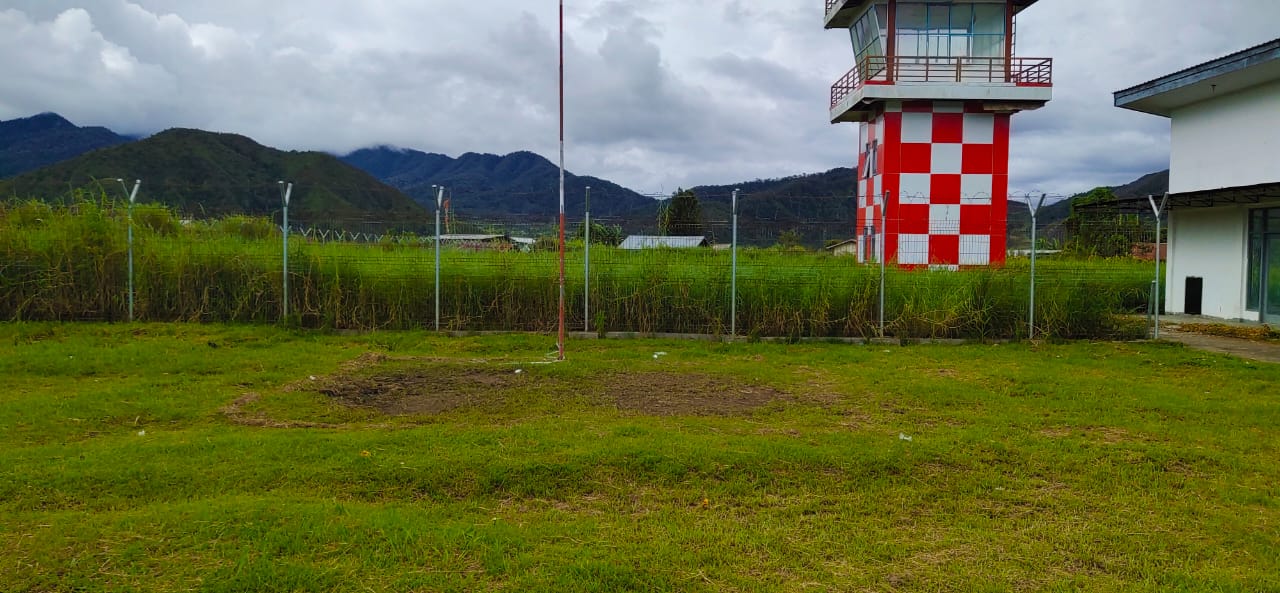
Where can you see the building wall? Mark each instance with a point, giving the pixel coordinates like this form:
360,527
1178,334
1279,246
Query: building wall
944,168
1209,243
1230,141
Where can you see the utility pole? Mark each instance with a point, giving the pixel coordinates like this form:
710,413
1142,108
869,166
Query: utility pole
586,266
560,344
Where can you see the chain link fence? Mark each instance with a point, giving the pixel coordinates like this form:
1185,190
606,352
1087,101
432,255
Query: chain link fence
794,267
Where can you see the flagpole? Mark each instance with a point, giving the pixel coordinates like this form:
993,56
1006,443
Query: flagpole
561,341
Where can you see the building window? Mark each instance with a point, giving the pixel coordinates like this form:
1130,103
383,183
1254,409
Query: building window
868,34
952,30
873,159
1264,227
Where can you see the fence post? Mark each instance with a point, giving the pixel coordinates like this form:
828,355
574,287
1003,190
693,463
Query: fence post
285,193
733,273
1031,306
586,266
1155,287
880,253
129,214
439,201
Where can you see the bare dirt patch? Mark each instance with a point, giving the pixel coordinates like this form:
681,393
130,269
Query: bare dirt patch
407,386
435,389
688,394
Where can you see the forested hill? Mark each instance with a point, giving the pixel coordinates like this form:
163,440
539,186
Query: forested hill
205,173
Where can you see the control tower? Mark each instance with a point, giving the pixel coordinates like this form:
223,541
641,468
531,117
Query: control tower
933,88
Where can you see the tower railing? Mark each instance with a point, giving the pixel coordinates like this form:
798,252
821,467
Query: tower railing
935,69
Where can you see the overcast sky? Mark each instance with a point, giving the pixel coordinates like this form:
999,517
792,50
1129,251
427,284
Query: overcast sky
661,93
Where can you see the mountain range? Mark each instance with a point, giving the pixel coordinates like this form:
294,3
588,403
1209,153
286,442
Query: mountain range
33,142
520,184
206,173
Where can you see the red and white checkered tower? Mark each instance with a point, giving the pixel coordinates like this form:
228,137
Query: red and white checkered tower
933,89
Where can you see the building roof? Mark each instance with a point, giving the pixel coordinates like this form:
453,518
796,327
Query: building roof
840,13
1248,68
474,238
651,242
834,246
1252,194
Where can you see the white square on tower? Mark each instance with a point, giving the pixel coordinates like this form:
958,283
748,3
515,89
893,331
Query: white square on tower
917,128
975,190
979,128
914,188
944,219
913,249
975,250
947,158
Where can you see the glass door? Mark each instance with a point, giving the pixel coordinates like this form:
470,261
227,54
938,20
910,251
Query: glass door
1271,279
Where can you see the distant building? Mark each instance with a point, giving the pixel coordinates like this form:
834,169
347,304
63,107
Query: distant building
1224,183
849,248
635,242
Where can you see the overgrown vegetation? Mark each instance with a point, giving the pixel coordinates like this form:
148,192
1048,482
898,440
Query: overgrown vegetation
69,263
137,458
1099,230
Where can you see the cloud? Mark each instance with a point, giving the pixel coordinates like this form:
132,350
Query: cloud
660,93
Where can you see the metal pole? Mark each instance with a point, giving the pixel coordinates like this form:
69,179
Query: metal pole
439,201
285,193
1156,284
733,272
560,344
132,197
586,267
880,251
1031,307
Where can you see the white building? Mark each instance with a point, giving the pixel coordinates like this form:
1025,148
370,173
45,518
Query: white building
1224,183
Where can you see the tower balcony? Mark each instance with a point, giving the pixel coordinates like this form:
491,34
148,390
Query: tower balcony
1013,84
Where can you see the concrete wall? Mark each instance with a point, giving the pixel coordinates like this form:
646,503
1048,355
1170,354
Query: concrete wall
1209,243
1230,141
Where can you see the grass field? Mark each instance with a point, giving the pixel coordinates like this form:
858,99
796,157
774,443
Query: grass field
224,458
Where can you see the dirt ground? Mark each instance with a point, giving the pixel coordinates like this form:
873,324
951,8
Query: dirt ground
429,387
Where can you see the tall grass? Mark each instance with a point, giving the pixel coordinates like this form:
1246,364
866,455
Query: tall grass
69,263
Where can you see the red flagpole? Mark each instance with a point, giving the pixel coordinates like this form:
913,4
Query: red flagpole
561,342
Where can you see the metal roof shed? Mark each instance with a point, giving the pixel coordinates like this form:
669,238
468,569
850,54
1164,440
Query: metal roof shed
635,242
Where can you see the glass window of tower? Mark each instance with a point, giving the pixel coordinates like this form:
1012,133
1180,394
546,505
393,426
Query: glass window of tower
956,30
869,32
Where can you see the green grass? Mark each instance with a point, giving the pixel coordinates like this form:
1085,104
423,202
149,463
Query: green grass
69,263
1071,467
